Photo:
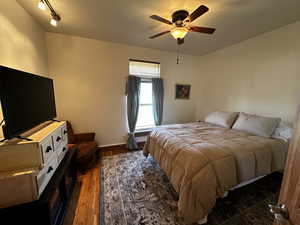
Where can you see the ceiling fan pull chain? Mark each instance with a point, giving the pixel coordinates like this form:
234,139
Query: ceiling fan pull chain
177,54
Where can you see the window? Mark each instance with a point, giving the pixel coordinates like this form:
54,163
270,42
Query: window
145,70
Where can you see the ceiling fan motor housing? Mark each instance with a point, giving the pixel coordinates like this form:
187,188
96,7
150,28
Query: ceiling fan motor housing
179,16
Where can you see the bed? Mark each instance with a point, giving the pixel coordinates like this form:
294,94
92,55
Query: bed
203,161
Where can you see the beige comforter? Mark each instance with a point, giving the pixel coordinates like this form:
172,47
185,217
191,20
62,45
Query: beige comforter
203,161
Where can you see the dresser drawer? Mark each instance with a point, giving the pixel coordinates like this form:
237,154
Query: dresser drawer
18,189
20,156
57,138
46,173
47,149
61,155
64,132
61,151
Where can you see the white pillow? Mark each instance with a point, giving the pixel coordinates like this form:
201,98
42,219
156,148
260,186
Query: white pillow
284,132
223,119
257,125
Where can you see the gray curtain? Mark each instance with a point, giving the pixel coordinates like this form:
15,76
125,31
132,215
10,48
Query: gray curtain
133,100
158,99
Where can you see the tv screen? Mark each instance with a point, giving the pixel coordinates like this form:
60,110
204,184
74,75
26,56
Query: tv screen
26,99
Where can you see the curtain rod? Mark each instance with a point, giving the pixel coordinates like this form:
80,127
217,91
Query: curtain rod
144,61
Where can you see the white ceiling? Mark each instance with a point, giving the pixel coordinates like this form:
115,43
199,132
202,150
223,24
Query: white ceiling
128,22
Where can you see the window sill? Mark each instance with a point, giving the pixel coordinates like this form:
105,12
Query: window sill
144,129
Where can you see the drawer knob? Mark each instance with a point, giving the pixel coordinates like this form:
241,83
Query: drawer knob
48,149
65,131
58,139
50,169
64,149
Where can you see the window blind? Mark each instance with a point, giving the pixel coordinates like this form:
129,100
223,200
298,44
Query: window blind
144,69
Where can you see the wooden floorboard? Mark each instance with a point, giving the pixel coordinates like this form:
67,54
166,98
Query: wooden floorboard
84,207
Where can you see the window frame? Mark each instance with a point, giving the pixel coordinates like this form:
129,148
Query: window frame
145,79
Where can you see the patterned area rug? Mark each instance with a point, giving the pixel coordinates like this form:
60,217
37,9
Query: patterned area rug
135,191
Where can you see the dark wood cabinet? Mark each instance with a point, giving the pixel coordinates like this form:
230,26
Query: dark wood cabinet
51,207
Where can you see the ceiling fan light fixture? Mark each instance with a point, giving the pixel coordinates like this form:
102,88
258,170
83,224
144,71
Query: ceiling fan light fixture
179,32
54,20
42,5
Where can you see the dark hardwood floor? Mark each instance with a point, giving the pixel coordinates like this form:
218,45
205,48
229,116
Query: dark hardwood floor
84,206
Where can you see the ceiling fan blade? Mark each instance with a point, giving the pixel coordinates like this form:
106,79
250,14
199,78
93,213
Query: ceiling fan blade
206,30
160,19
157,35
180,41
198,12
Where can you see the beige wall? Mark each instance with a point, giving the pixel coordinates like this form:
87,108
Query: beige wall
90,77
22,41
260,75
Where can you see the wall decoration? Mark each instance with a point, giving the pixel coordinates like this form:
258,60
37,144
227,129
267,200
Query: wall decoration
182,91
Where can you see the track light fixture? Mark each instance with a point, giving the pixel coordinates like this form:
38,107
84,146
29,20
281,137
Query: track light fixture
42,5
55,18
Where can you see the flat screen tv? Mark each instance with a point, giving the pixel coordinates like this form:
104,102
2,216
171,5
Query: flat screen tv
27,100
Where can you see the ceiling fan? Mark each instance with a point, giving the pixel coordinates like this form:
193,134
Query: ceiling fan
181,22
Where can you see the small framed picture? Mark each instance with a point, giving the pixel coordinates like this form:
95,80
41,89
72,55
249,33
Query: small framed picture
182,91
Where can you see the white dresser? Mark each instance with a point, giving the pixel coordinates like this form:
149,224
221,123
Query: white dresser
27,166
